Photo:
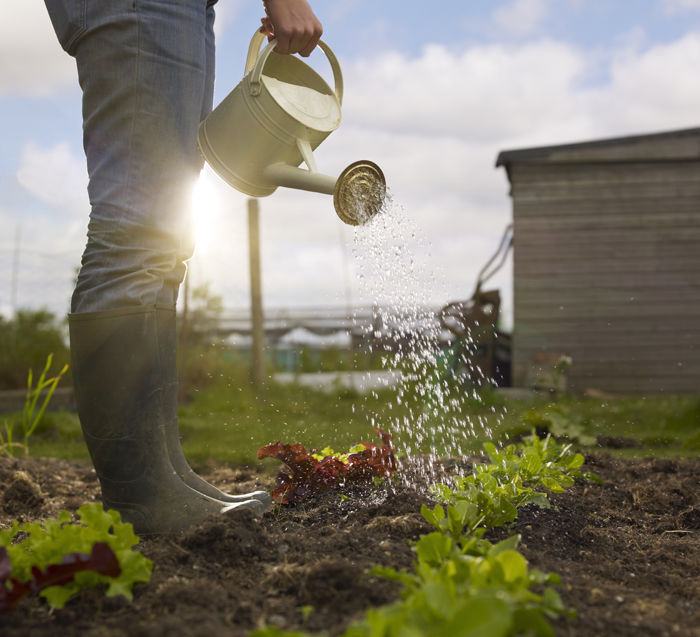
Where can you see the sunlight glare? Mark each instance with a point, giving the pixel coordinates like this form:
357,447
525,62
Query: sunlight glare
205,211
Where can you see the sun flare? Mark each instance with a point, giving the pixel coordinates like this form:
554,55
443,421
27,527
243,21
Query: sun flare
205,210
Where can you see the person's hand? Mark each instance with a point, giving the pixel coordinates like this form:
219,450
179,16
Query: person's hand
293,24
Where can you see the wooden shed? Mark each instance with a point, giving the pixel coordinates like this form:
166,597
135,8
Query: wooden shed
606,256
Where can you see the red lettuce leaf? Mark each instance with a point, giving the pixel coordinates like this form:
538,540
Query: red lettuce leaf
303,476
102,559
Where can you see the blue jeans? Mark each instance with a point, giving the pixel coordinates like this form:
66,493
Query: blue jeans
146,68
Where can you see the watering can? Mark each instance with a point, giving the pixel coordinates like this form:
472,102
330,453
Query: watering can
281,110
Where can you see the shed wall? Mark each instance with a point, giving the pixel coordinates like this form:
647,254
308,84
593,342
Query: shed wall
607,270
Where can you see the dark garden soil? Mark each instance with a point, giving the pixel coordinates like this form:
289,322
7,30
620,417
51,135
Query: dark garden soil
628,554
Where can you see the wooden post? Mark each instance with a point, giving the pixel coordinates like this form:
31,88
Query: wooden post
256,310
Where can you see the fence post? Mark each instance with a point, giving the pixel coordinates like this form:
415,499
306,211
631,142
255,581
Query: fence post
256,309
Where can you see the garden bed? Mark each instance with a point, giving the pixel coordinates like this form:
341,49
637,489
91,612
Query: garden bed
628,553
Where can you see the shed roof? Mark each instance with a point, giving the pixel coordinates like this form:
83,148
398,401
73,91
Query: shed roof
669,145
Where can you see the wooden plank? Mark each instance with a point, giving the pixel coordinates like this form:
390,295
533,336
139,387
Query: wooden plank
639,226
593,302
614,274
605,184
574,192
623,383
682,207
524,339
601,171
683,326
643,386
616,286
681,272
595,354
622,377
684,172
671,300
538,242
612,312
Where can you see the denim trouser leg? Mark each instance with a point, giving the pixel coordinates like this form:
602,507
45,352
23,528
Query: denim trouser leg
146,68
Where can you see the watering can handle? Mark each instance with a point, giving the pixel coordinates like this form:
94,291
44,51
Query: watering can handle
256,61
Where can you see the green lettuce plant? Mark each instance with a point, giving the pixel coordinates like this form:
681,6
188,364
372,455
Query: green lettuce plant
43,545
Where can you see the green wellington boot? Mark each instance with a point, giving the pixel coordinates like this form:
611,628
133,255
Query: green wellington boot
118,376
167,342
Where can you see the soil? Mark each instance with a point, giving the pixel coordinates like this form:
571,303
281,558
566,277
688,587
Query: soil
628,554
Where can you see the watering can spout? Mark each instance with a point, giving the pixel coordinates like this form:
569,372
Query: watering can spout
281,174
358,192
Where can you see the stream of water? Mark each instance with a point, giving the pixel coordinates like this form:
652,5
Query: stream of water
432,416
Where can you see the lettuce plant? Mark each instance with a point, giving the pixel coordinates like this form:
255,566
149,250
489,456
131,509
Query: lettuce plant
308,473
101,560
466,587
491,494
58,558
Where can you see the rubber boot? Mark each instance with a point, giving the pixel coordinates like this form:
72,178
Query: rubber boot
167,340
118,377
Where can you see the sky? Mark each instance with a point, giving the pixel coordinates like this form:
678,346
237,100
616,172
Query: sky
433,92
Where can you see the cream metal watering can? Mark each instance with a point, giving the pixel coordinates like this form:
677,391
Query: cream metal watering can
281,110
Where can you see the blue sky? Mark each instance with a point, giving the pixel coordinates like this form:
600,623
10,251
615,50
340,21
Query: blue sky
433,92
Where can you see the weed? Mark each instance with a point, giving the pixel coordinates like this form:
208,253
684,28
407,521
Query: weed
30,416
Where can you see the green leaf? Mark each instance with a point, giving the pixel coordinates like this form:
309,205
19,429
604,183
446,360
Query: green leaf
433,516
491,450
461,514
442,492
509,544
393,575
531,461
552,484
440,597
592,477
57,596
480,617
553,603
514,565
433,548
530,621
534,497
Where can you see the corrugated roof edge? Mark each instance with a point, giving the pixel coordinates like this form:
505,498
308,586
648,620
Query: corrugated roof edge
506,157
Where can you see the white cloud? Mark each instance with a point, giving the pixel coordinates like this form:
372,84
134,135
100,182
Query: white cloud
480,92
521,17
33,62
226,13
53,236
55,175
651,90
674,6
35,65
